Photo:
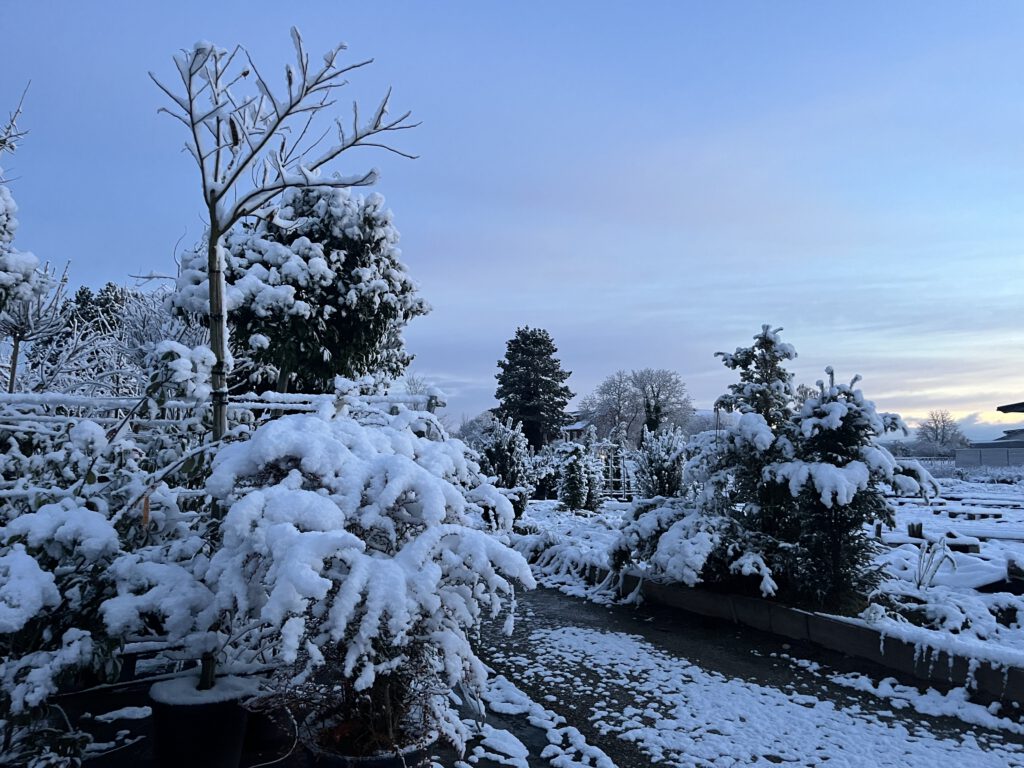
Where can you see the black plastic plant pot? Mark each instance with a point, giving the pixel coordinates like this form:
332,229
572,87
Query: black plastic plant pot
412,756
196,732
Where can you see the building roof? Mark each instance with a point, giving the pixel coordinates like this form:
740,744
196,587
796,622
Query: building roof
1011,408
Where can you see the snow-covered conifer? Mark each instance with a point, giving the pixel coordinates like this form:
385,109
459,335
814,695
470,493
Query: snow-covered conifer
838,480
659,463
314,291
575,478
531,385
505,455
20,279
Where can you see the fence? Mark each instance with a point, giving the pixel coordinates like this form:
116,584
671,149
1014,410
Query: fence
31,417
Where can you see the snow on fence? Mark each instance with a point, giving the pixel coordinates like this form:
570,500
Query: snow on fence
144,420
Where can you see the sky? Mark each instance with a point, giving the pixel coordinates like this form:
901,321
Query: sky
648,181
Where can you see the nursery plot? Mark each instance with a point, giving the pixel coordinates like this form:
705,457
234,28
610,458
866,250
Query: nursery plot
650,693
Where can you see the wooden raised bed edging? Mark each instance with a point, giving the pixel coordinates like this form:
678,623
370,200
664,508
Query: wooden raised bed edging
1003,683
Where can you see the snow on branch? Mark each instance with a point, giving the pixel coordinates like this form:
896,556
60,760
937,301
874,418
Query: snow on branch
267,134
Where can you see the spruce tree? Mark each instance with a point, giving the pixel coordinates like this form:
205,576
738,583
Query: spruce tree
837,480
764,397
531,385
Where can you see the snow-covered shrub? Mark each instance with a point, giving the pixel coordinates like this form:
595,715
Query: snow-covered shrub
96,543
315,291
355,558
673,538
505,455
659,463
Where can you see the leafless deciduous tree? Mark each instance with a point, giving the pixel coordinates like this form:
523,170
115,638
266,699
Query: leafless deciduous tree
615,402
250,147
939,434
651,397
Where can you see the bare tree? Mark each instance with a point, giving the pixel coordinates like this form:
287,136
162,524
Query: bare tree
250,148
939,434
615,402
664,397
651,397
415,384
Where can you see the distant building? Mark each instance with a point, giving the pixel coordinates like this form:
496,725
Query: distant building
1005,451
574,432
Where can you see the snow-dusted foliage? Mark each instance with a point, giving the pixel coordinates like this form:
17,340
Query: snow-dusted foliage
314,291
574,477
20,278
788,491
837,478
546,470
85,519
92,344
659,463
505,456
252,142
357,558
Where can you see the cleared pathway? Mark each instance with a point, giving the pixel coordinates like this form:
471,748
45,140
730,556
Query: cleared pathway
655,687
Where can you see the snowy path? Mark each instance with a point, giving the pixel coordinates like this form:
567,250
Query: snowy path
652,688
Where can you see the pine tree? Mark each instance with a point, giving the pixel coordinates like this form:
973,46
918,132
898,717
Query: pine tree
574,485
531,387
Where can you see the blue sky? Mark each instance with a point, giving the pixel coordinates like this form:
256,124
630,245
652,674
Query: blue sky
649,181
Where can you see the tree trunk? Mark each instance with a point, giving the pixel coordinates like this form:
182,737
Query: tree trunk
14,365
284,375
218,329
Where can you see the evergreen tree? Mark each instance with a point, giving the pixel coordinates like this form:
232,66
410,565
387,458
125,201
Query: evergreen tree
314,292
574,485
780,494
531,385
659,463
764,397
837,482
505,455
546,470
20,277
595,471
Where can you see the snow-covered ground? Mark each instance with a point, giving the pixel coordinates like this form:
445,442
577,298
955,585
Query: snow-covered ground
944,595
674,692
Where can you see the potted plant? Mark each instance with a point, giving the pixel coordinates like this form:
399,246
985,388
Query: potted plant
355,560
